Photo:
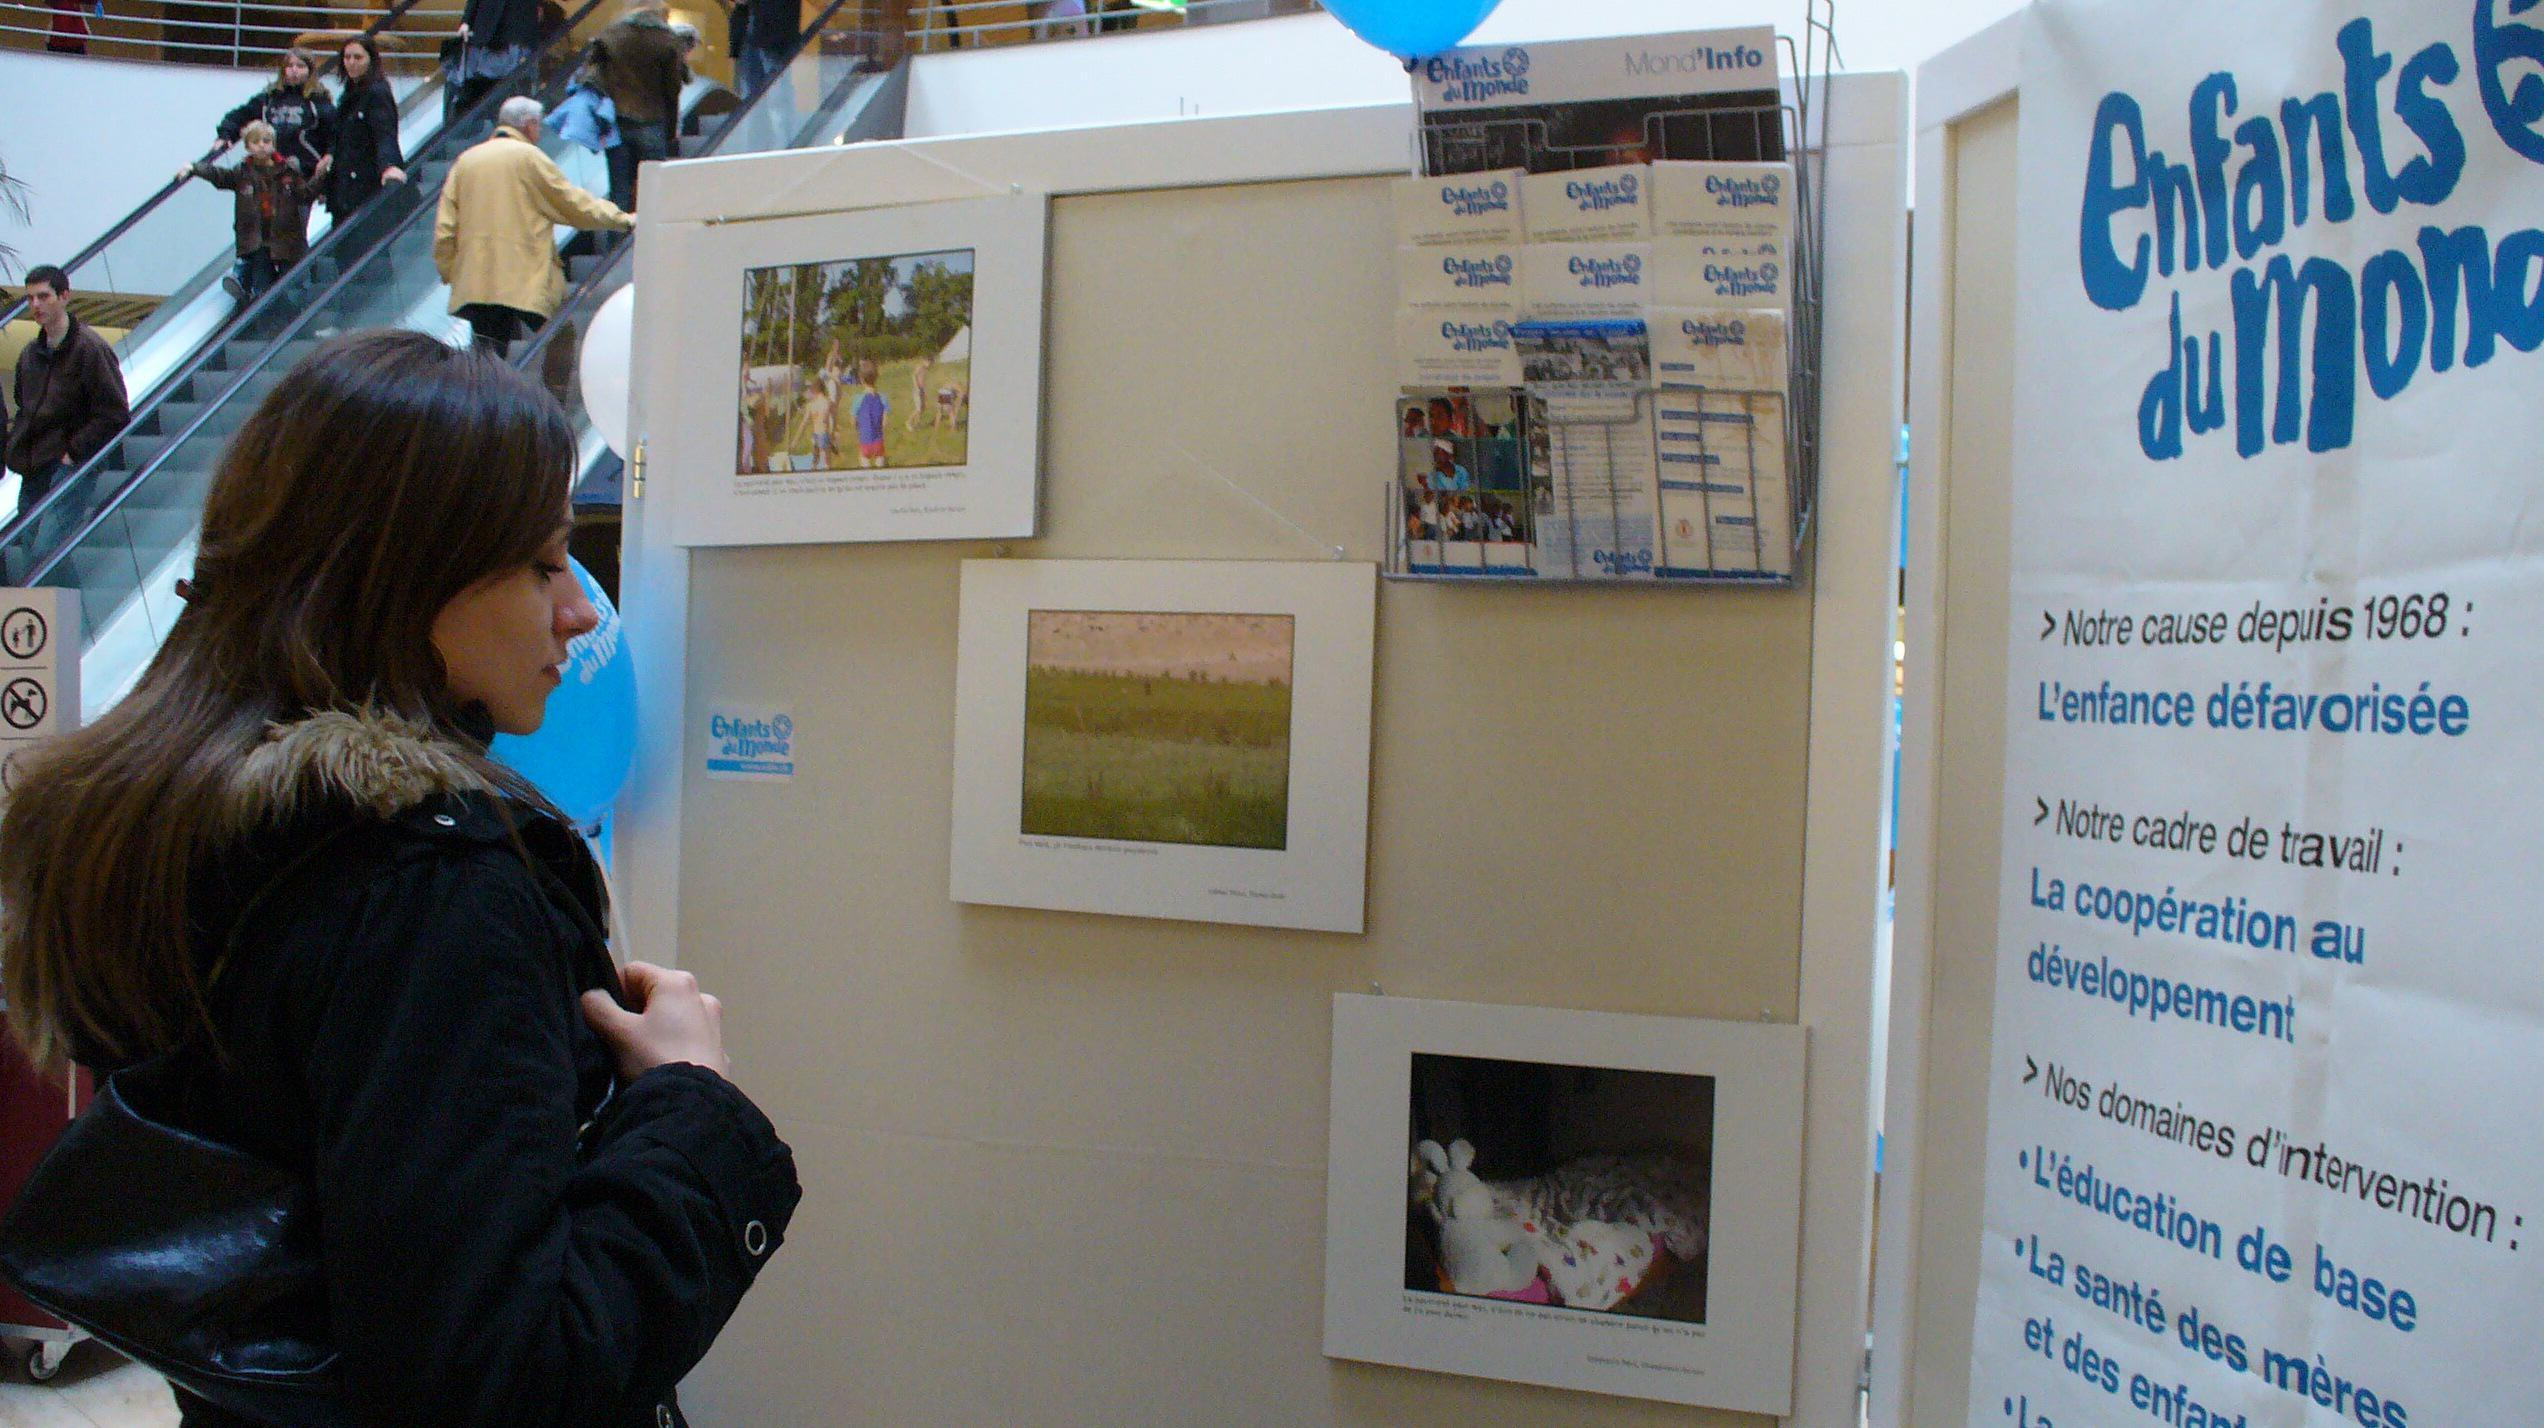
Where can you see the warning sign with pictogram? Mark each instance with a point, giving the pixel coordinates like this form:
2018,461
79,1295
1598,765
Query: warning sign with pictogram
39,670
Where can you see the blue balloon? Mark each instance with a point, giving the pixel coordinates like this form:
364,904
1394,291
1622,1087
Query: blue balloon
1412,29
581,756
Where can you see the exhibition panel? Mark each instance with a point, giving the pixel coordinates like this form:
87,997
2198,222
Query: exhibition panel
1078,1160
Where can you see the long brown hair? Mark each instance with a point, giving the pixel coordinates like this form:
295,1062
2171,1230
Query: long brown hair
309,88
384,475
373,75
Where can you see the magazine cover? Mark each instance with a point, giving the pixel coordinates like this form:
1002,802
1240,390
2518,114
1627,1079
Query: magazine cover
1585,104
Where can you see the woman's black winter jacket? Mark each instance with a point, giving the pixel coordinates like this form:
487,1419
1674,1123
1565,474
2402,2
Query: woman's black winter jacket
511,1239
365,144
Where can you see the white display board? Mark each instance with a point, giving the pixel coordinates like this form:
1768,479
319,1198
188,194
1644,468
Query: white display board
876,375
2270,767
1639,1176
1160,1087
1166,738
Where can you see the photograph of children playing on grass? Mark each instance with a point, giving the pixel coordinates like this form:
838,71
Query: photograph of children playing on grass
863,363
1158,727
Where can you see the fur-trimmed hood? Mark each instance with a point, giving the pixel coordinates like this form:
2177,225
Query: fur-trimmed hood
370,758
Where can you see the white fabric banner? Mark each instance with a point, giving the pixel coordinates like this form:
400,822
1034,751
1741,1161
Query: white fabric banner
2261,1140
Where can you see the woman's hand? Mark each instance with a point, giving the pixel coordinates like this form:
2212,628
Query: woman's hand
673,1021
463,32
393,174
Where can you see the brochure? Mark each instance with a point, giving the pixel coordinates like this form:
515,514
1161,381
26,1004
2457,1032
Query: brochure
1464,483
1738,208
1599,205
1686,275
1464,208
1458,275
1742,349
1726,503
1560,282
1591,490
1456,347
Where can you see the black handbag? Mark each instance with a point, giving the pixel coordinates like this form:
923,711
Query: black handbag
185,1254
188,1255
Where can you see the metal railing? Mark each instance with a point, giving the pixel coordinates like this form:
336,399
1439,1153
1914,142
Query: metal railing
239,33
252,33
360,240
938,25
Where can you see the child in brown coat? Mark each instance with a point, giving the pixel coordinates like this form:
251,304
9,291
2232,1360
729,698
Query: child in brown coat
272,216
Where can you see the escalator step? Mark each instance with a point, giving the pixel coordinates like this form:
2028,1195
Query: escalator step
156,533
104,573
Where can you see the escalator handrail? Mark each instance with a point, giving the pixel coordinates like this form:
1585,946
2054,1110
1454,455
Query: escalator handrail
168,190
25,518
608,267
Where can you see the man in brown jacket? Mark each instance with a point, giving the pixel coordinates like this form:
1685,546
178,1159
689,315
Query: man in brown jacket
69,392
494,239
637,63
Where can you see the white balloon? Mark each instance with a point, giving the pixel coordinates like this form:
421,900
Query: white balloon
609,342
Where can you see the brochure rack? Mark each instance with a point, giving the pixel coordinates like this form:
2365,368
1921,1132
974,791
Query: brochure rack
1796,131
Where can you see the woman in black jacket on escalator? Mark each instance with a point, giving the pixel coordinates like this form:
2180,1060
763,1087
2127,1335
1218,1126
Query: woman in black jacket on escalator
365,143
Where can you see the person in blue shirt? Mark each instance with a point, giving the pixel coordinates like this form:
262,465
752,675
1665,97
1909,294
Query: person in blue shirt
1446,474
871,409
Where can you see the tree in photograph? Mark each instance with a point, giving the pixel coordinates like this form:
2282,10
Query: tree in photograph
854,306
768,307
940,302
804,320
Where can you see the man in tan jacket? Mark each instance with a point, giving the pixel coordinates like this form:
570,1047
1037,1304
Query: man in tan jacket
493,239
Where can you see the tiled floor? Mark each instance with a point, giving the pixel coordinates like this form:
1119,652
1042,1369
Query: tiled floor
94,1390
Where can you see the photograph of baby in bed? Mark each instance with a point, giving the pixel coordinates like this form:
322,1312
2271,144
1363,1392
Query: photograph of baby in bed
1576,1187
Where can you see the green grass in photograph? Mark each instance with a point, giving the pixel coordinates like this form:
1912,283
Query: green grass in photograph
936,440
1156,760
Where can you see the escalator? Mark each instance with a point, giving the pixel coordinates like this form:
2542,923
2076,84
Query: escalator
166,258
123,548
195,376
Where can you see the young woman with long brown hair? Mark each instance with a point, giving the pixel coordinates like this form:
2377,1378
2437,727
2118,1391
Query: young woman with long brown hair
287,858
364,140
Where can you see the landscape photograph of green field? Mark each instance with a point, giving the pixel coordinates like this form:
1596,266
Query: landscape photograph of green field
1158,727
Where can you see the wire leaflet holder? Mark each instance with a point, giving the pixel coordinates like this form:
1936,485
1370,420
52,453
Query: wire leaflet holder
1698,520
